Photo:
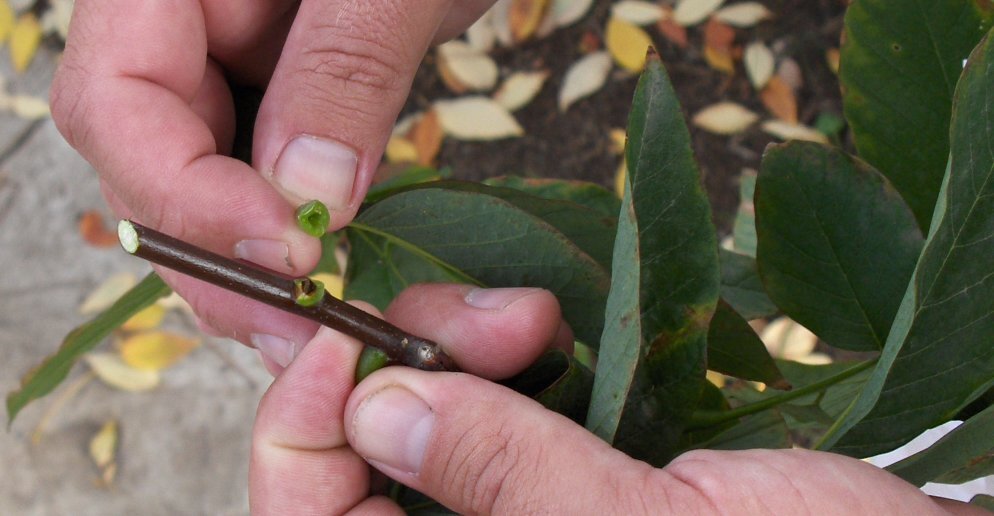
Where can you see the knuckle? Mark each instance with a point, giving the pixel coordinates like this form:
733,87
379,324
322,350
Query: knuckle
67,100
486,470
355,68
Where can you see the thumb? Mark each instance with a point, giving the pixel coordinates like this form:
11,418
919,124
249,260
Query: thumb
479,448
340,82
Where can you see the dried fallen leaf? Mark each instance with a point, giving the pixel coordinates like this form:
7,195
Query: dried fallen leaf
476,118
113,371
618,139
7,20
725,118
519,89
744,14
103,445
568,12
463,68
759,64
779,100
627,43
146,319
718,46
24,40
584,78
637,12
56,18
672,31
401,150
832,57
620,176
481,35
29,107
787,131
692,12
93,230
786,339
426,135
107,292
333,283
790,72
500,19
525,16
155,350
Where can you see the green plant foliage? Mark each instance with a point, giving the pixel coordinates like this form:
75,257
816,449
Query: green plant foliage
50,373
741,287
762,430
735,349
586,194
665,284
744,226
412,176
983,501
836,244
962,455
938,355
557,381
441,234
899,65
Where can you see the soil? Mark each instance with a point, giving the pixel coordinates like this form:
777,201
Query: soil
576,145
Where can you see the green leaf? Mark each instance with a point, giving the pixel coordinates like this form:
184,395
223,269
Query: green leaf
328,263
735,349
664,288
766,429
836,244
593,196
557,381
984,501
445,235
50,373
412,176
962,455
741,286
899,65
938,355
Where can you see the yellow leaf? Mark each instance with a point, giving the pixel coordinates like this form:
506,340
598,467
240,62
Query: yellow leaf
108,292
716,378
627,43
104,444
6,20
24,40
525,16
401,150
719,60
114,372
155,350
148,318
618,139
333,283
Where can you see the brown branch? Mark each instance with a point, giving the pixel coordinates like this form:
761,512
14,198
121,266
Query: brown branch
299,296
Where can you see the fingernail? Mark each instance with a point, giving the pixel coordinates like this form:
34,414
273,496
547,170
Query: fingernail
271,254
392,427
315,168
496,298
275,348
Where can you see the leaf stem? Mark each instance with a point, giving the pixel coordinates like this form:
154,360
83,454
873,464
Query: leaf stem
285,294
706,418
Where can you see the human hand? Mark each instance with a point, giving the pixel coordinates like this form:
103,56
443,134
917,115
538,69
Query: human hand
480,448
142,94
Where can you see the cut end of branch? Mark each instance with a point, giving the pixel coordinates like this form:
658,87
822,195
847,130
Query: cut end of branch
128,236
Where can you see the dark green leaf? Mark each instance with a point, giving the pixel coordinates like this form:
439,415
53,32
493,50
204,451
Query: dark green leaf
557,381
938,355
742,288
836,244
412,176
50,373
984,501
664,286
766,429
712,400
593,196
962,455
735,349
899,65
444,235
